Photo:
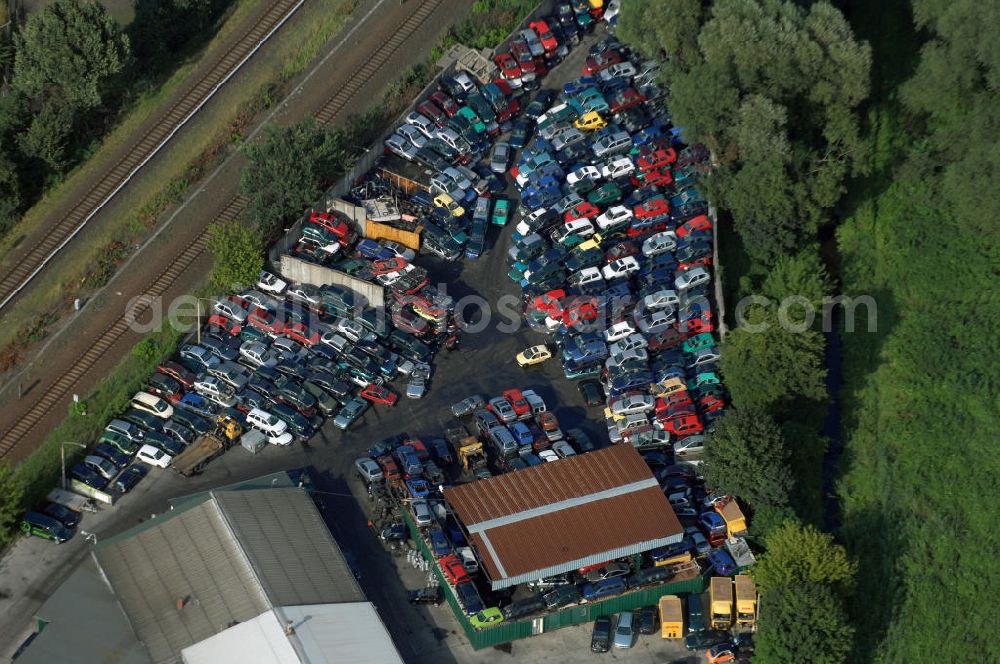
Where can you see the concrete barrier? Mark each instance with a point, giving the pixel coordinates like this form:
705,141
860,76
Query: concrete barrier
303,272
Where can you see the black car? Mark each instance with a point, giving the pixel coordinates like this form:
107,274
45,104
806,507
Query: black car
83,474
432,595
581,440
395,532
178,431
703,640
62,514
592,392
520,135
146,421
163,442
561,596
112,454
648,620
469,596
600,640
298,424
129,478
192,421
649,575
523,608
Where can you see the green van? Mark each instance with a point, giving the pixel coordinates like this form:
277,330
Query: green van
45,527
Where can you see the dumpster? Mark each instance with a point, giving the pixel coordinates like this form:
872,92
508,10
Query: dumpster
253,441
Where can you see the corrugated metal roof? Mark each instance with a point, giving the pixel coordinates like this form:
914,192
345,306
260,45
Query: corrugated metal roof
564,515
232,557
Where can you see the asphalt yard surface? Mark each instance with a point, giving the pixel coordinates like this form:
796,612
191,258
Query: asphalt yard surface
484,364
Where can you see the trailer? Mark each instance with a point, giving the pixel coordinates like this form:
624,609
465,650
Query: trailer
671,617
73,501
197,455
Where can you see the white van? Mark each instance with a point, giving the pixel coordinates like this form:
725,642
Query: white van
149,403
536,402
272,425
614,217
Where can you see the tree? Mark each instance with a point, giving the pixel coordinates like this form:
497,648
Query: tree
772,89
162,27
239,254
286,169
798,554
803,622
746,457
68,53
49,135
10,193
12,490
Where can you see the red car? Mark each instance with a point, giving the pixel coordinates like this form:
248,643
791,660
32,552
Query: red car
453,569
221,322
549,301
659,177
265,322
549,41
693,225
702,261
578,314
431,110
330,222
444,102
178,373
389,468
626,99
418,446
522,54
509,68
601,61
668,338
388,265
379,394
652,159
652,207
684,425
698,325
634,232
517,401
580,211
301,333
665,403
710,403
547,420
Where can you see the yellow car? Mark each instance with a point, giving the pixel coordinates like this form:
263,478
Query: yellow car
533,355
591,121
445,201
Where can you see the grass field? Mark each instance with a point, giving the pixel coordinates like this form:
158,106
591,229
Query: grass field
218,123
919,399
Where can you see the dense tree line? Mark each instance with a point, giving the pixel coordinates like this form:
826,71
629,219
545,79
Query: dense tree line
73,70
772,87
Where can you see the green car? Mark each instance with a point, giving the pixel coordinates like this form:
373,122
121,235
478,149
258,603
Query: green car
703,340
46,527
516,274
704,378
606,194
251,333
119,442
486,618
352,266
501,210
470,115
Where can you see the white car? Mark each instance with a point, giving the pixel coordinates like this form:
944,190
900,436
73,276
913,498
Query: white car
614,216
583,173
628,343
270,283
422,513
655,321
620,268
621,358
689,446
632,402
256,354
618,168
231,310
701,544
703,356
581,227
558,108
618,69
286,347
270,424
350,329
401,147
661,299
152,404
564,139
548,455
210,386
659,243
399,250
691,278
586,276
422,123
306,294
413,134
153,456
619,330
502,409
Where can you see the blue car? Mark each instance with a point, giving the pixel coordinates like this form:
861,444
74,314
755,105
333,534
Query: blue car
83,474
647,135
589,352
439,543
197,404
418,488
579,85
469,597
575,371
522,434
722,562
373,250
112,454
630,382
603,588
670,551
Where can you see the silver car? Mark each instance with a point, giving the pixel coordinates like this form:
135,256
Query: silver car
467,406
401,147
500,158
502,409
625,631
417,387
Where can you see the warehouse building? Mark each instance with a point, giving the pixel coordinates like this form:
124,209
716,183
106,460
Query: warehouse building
561,516
233,575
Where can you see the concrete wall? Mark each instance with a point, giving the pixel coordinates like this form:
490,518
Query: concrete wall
301,271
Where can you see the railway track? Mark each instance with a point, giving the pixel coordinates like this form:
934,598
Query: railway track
162,283
115,179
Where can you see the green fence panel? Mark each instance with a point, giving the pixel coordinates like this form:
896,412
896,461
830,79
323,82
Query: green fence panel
501,633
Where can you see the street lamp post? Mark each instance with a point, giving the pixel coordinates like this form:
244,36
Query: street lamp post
198,307
62,456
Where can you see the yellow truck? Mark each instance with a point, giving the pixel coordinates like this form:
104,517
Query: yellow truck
671,617
471,453
720,593
736,523
746,602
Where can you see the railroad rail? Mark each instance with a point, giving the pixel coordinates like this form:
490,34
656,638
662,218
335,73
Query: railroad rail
114,180
162,283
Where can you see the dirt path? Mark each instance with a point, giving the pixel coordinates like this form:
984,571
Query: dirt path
371,26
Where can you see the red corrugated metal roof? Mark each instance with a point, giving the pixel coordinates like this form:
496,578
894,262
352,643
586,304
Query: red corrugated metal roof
630,510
